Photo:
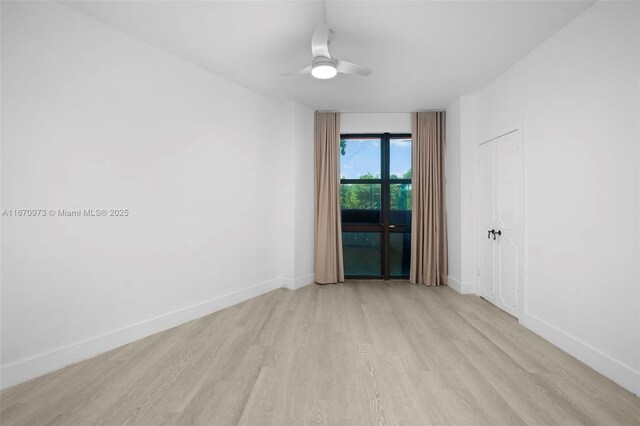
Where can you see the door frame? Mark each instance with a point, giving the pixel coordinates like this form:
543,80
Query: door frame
385,210
517,127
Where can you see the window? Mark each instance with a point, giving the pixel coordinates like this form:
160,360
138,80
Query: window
375,198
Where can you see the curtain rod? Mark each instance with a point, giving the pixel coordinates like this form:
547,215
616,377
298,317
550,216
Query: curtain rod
384,112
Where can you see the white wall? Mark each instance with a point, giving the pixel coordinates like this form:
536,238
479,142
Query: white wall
578,97
295,204
460,135
304,218
95,119
452,193
468,132
283,199
367,122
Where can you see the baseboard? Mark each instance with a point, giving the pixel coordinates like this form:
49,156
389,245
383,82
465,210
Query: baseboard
39,365
288,282
304,280
296,283
462,288
454,284
604,364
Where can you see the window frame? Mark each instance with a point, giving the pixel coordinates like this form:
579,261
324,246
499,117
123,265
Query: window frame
384,227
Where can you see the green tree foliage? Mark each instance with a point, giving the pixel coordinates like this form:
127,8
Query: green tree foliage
368,197
343,147
406,175
401,193
400,196
355,196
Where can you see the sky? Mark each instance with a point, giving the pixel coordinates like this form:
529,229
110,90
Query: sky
363,155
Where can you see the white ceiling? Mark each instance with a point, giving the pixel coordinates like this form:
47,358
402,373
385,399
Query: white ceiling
424,53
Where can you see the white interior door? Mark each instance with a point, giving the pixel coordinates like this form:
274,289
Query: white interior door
501,221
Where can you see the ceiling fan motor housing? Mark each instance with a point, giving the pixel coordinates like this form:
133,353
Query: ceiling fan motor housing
323,60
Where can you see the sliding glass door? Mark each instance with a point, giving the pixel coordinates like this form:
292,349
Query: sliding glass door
375,197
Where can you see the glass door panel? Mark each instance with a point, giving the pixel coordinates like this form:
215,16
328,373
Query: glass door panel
375,198
400,158
399,254
362,252
360,157
400,199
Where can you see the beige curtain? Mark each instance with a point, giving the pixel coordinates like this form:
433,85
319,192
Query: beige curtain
429,223
329,268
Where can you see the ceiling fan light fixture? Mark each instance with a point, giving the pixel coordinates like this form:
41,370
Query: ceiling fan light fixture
323,68
324,72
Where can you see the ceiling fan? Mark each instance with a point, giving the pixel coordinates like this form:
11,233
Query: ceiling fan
323,65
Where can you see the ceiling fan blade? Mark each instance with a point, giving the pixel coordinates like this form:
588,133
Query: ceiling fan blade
305,70
346,67
320,41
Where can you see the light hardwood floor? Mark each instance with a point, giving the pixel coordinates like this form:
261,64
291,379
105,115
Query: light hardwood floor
360,353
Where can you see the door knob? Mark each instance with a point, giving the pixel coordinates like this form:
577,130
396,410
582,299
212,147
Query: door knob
496,233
